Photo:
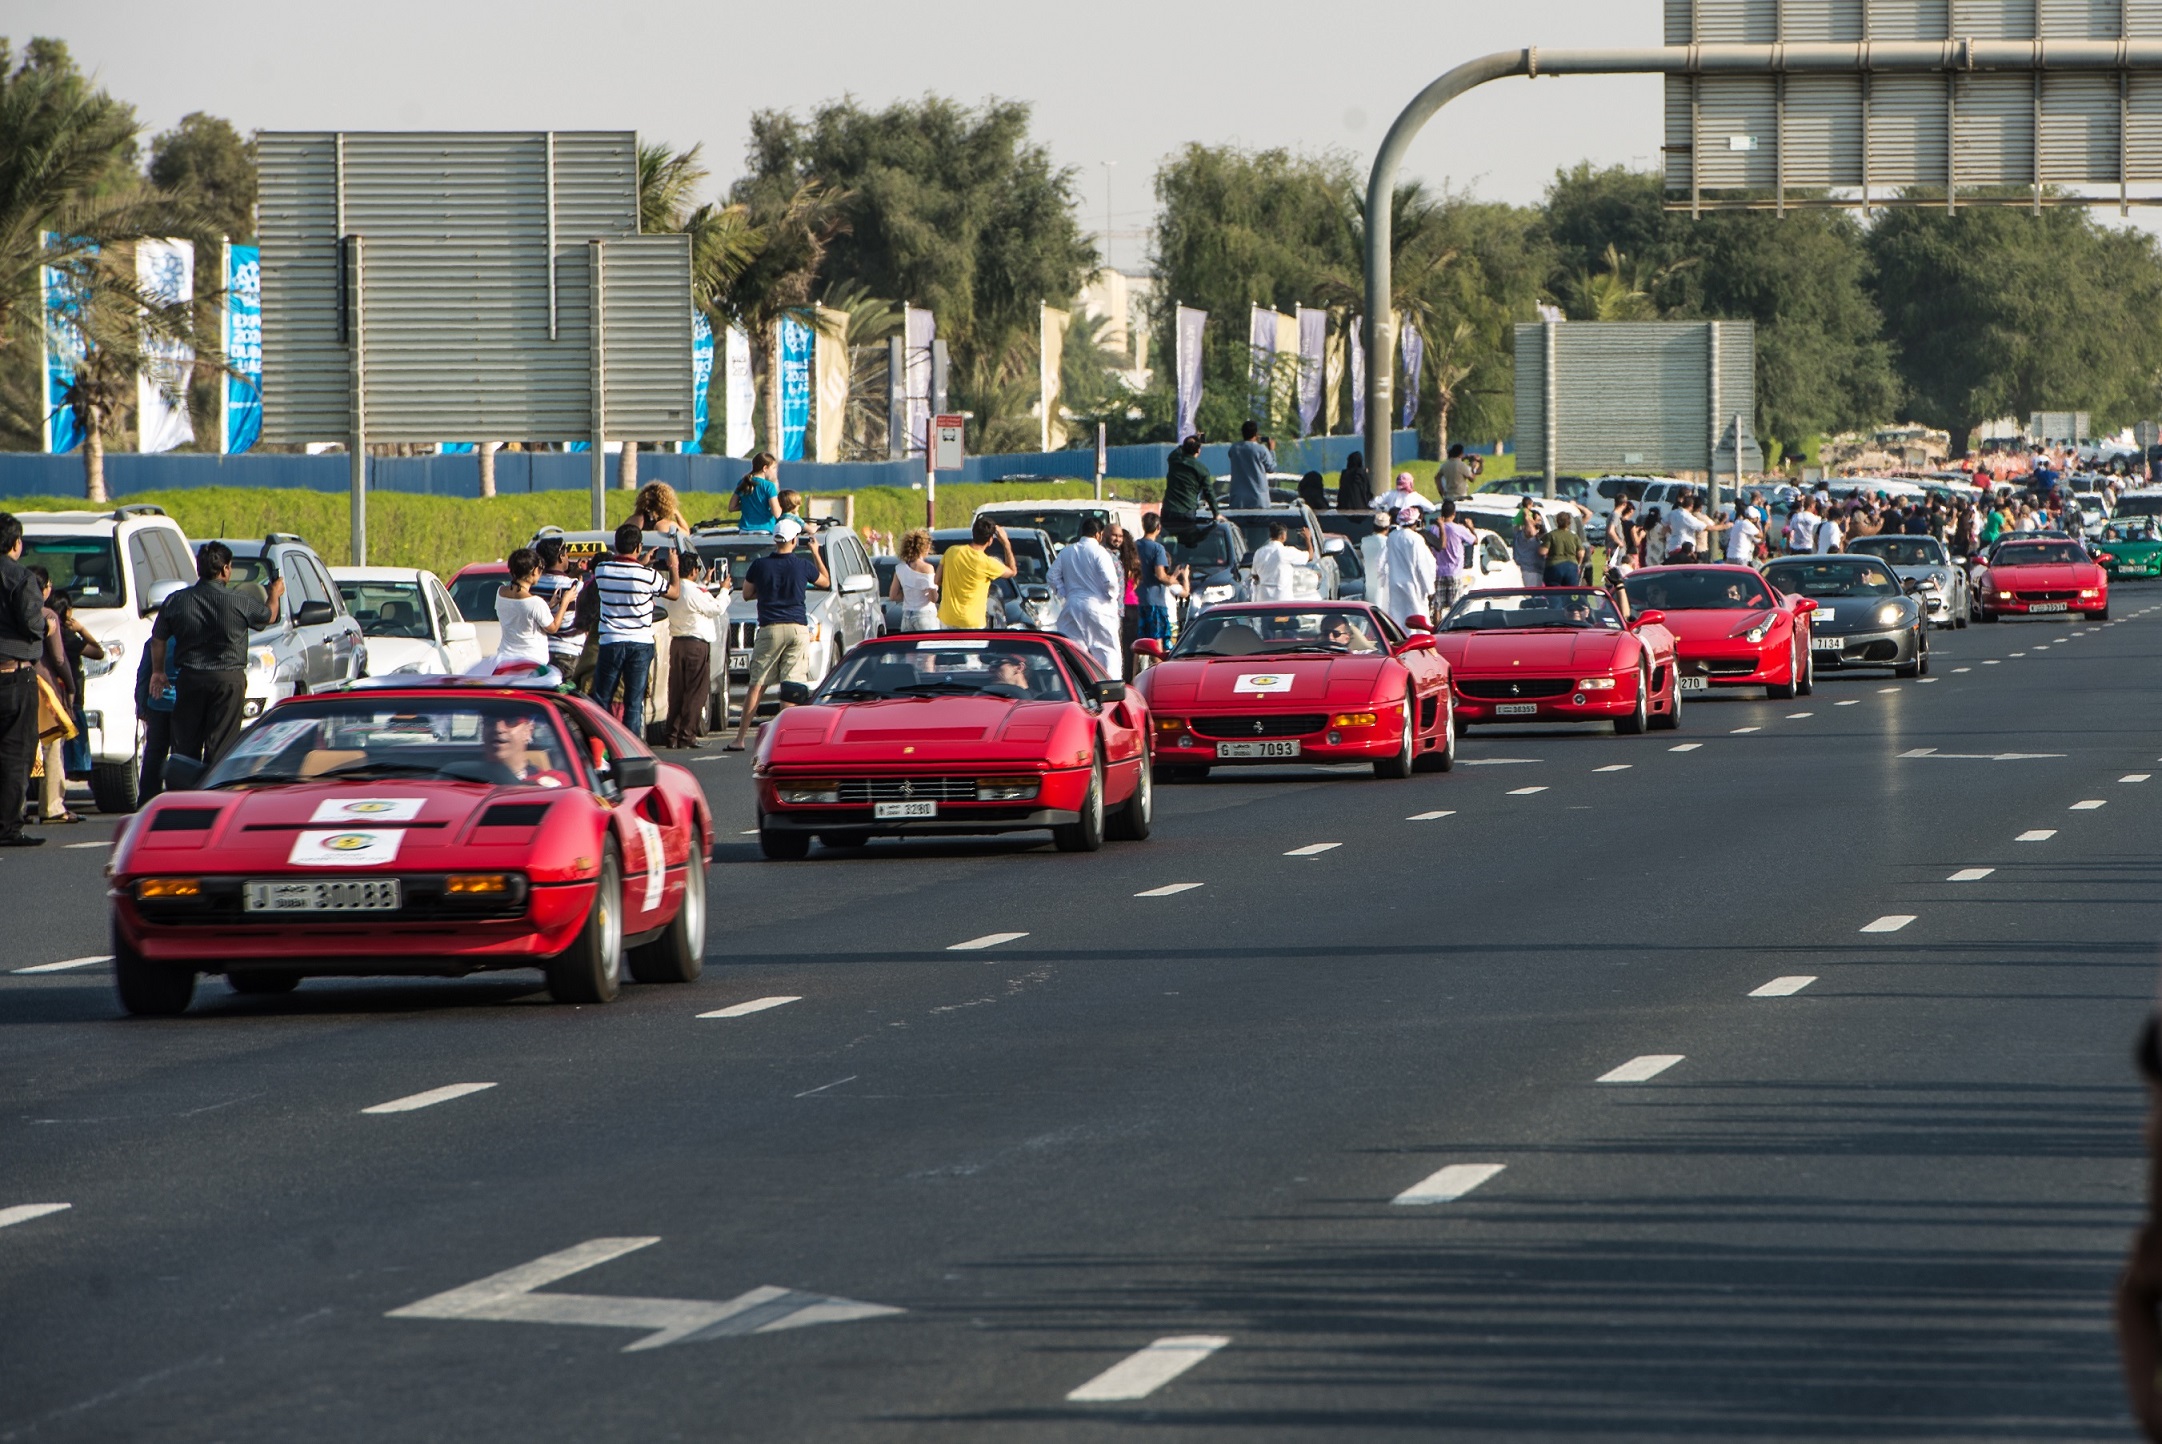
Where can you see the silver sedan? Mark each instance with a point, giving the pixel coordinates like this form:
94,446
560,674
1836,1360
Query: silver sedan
1944,592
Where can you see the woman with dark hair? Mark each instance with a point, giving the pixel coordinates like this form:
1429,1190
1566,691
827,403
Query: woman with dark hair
758,495
1354,489
1313,492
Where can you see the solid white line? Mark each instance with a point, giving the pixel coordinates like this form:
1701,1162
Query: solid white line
1449,1184
1524,791
1685,747
24,1212
988,940
2036,834
1312,849
1141,1374
1615,767
65,963
756,1005
430,1098
1970,874
79,846
2135,777
824,1086
1785,987
1740,730
1169,889
2090,805
1793,716
1495,761
1636,1070
1889,923
1431,816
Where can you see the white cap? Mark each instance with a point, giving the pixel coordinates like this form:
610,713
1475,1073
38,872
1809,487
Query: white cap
788,528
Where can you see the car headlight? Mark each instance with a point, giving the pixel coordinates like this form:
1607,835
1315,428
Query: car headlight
1759,632
2004,596
1006,789
262,659
2090,592
1595,684
1212,595
1888,614
114,651
808,792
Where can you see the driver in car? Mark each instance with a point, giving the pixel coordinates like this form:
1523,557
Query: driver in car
1339,630
1007,671
507,739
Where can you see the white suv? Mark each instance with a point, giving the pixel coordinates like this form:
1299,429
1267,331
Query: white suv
108,562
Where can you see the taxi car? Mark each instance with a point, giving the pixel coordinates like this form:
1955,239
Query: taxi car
957,732
439,825
1266,683
2041,576
1559,654
1730,629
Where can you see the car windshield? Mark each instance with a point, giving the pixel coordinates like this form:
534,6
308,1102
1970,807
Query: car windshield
387,609
738,558
2138,528
1708,590
943,666
1247,633
1063,526
497,740
85,567
473,594
2039,554
1255,529
1545,607
2130,504
1207,551
1831,578
1900,551
1353,524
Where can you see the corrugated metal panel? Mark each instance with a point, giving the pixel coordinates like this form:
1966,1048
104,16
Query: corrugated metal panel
2143,18
304,390
2143,127
1996,19
2079,19
1823,20
1633,394
1824,131
1678,158
1737,111
1906,130
648,335
1530,438
1909,20
2079,129
1678,15
1995,129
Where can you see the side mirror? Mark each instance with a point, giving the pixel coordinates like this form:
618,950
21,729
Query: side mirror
1803,606
1649,619
1418,642
461,632
858,584
632,771
182,773
1035,592
1108,692
795,694
314,614
1910,585
1149,647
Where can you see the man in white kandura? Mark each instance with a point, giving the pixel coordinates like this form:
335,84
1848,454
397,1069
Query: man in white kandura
1412,570
1090,583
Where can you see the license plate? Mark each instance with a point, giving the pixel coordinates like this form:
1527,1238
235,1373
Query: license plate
1695,684
2049,606
881,811
1517,709
1257,749
378,895
1827,644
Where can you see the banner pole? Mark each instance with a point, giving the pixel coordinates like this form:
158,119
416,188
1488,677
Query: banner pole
359,440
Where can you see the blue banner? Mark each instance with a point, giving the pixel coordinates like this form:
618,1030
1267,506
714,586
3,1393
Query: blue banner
701,379
795,379
64,296
243,349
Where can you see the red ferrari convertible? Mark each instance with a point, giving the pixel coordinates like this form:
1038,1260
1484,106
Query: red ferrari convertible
957,732
2041,577
1559,654
1730,629
443,825
1275,682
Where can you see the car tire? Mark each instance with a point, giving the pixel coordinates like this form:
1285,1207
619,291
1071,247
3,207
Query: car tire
1137,818
148,989
1809,674
1443,760
2100,616
1400,764
781,846
1086,835
1671,719
116,787
260,982
678,955
1781,691
590,970
1639,721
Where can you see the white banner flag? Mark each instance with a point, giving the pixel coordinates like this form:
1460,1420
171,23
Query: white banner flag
741,396
165,270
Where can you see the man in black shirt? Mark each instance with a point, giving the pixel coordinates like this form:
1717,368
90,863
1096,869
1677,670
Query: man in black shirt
22,642
209,624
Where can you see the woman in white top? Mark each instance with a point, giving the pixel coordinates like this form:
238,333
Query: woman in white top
526,620
915,584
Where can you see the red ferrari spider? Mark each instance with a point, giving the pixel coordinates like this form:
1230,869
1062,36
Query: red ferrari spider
957,732
1559,654
444,825
1730,629
1275,682
2041,577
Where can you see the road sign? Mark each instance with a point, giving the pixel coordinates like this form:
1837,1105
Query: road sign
510,1297
1600,396
946,442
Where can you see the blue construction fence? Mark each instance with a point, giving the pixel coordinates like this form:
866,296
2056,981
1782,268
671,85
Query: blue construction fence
126,473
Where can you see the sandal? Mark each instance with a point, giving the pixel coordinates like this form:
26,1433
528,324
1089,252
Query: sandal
63,817
732,747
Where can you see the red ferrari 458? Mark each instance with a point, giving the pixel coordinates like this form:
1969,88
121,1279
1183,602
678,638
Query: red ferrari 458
1730,629
1559,654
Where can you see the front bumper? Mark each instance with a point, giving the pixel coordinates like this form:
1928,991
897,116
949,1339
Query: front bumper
2068,606
1734,663
1568,705
1057,803
1897,648
1197,741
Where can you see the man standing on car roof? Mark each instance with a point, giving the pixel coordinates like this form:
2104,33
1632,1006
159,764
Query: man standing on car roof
209,624
1187,489
1249,469
22,642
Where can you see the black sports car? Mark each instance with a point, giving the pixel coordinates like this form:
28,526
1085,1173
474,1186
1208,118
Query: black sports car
1864,616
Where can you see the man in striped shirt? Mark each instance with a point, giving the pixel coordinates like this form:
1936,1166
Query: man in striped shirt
628,589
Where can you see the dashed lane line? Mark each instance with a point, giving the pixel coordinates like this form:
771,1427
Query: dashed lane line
1685,747
1924,681
1889,923
1449,1184
430,1098
1615,767
66,963
1738,731
2036,834
988,940
1312,849
1849,702
1169,889
1141,1374
1970,874
756,1005
1638,1070
1957,670
1886,691
82,846
1785,987
2135,777
2091,804
1431,816
1797,716
24,1212
1524,791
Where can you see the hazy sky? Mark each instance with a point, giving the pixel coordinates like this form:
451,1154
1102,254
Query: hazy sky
1125,81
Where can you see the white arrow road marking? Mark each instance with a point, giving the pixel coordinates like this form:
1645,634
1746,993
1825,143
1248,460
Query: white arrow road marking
1449,1184
1169,889
988,940
756,1005
1141,1374
1637,1070
65,963
509,1297
24,1212
1978,756
1785,987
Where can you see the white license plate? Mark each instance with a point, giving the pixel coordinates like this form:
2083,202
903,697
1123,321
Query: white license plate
1696,684
1827,644
881,811
1517,709
1257,749
2049,606
379,895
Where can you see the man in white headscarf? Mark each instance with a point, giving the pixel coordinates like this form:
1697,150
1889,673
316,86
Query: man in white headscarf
1411,569
1374,557
1090,583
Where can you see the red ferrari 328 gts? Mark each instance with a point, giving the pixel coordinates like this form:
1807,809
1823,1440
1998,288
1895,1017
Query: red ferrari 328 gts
1559,654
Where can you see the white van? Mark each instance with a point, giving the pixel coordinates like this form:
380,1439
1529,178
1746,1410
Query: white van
107,562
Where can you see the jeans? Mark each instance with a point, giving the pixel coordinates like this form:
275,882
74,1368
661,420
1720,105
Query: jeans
629,663
157,746
1562,574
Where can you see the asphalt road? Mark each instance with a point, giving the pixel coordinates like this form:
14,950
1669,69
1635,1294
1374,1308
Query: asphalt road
1885,1203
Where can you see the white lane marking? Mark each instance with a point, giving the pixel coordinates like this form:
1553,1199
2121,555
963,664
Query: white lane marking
430,1098
1794,716
1312,849
1970,874
1142,1373
1925,681
715,757
1957,670
2036,834
748,832
1882,691
1889,923
1685,747
509,1297
1636,1070
1989,661
1740,730
1918,752
1169,889
24,1212
988,940
2090,805
1449,1184
1615,767
756,1005
1494,761
1785,987
65,963
2135,777
1524,791
1431,816
1849,702
2015,654
79,846
824,1086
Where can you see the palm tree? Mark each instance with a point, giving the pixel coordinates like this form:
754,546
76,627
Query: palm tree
1624,291
766,262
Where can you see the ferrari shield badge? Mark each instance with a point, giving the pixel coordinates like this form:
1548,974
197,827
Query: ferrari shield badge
1263,682
346,848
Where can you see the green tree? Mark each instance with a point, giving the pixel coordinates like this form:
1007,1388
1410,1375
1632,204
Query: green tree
1997,312
206,160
